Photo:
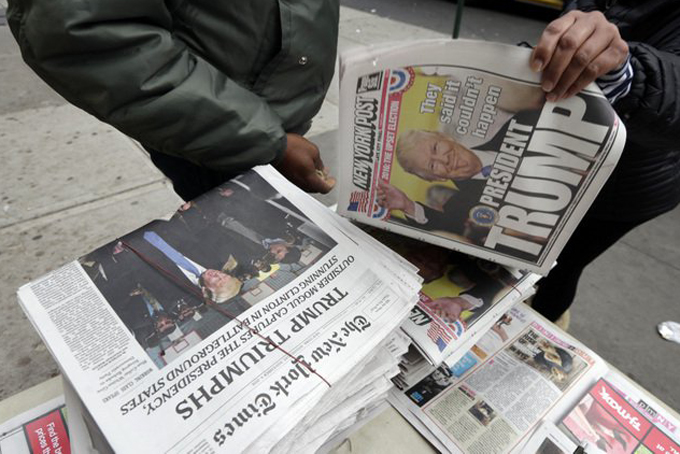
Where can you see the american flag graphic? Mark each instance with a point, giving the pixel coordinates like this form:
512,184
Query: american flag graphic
358,201
438,335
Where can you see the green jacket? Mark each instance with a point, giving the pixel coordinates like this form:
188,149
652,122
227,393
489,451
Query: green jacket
217,82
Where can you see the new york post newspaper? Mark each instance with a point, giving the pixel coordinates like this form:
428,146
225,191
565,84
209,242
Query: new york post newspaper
453,143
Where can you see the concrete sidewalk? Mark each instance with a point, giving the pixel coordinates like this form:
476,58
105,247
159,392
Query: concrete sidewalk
71,184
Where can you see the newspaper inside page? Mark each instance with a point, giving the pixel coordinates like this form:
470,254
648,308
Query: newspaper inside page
493,398
461,295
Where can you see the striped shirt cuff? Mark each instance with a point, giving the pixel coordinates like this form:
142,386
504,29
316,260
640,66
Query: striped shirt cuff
616,84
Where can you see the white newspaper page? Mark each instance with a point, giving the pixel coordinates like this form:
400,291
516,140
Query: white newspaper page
453,143
499,391
199,333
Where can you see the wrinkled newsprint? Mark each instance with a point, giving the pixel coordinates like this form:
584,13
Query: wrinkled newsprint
492,398
223,326
453,143
462,296
527,387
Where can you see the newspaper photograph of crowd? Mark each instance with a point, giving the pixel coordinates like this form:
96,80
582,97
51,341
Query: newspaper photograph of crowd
231,248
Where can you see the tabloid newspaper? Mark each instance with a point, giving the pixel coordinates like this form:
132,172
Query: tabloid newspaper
222,328
453,143
527,387
462,296
607,420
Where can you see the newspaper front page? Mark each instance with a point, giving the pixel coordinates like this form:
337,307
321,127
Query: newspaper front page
614,416
502,388
161,370
461,298
606,421
453,143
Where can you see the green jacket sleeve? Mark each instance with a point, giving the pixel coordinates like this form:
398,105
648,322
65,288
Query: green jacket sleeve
119,61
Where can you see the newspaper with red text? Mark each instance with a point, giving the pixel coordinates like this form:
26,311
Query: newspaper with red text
243,317
607,419
453,143
614,416
42,429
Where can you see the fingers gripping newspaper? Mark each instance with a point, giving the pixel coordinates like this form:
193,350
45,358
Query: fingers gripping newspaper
205,331
453,143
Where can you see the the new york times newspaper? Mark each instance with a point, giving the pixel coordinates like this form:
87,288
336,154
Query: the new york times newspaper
453,142
144,327
461,298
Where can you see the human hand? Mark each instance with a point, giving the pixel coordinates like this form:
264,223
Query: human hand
303,166
576,49
392,198
448,308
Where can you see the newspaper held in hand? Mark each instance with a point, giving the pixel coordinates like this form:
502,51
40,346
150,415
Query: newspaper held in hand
453,143
223,327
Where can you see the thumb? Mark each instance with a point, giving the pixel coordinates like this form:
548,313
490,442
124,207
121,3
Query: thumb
317,182
318,162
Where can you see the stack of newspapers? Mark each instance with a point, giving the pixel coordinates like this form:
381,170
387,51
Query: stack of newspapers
460,300
256,320
252,320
